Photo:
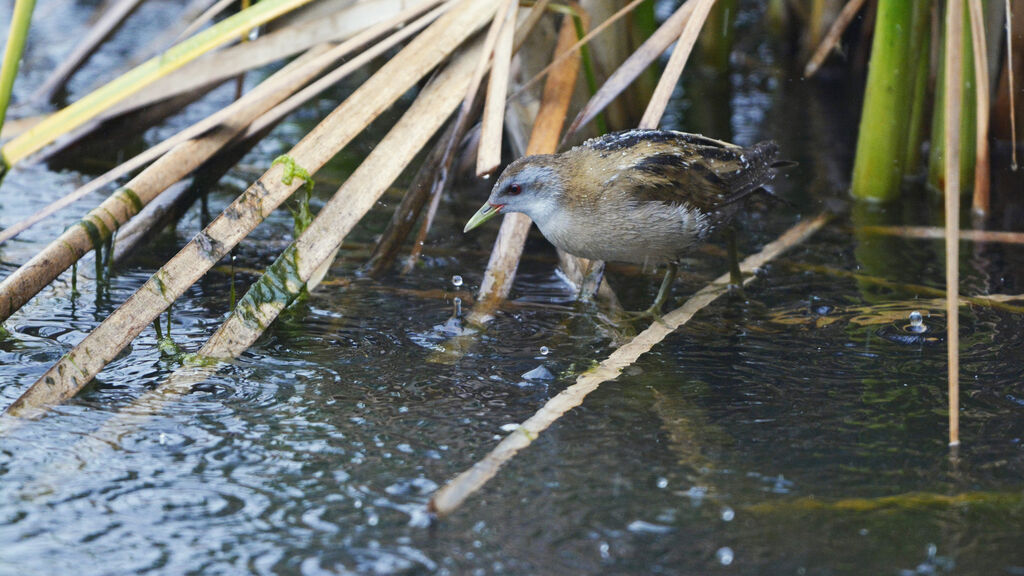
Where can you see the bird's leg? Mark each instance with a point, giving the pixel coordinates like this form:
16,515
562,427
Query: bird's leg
735,276
666,286
592,276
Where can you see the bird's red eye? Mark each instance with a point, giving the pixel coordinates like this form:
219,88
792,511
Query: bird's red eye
514,189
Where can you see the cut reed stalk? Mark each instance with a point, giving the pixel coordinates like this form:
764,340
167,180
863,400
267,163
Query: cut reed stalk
488,156
99,224
376,94
953,88
455,492
900,40
832,38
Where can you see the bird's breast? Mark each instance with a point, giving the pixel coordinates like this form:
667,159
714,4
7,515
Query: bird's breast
644,233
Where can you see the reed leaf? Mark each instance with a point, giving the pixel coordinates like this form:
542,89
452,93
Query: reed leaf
93,104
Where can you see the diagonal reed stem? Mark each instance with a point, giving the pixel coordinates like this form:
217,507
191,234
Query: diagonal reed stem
453,494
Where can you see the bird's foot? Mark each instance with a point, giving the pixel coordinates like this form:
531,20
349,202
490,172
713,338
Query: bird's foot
652,314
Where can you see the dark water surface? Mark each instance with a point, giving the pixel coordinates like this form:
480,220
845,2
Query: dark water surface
798,429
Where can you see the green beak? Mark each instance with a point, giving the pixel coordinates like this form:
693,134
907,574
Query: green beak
485,213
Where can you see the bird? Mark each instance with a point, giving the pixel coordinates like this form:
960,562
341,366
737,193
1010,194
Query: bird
646,197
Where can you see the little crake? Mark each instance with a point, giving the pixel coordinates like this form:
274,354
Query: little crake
641,196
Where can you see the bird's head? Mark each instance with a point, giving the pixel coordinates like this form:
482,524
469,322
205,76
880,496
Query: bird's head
532,185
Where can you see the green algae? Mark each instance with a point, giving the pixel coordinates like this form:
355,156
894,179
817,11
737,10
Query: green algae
279,286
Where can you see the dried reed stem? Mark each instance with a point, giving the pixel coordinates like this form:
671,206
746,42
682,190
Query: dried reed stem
575,47
488,156
376,94
453,494
831,40
1009,79
508,247
461,125
676,63
100,223
635,65
934,233
266,119
953,88
980,202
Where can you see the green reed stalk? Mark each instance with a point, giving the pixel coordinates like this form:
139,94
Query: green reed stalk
886,120
20,21
915,132
719,33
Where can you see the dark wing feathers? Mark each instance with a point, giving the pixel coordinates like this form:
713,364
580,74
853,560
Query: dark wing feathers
677,167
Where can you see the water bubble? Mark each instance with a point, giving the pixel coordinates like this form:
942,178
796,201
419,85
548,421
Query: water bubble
916,323
724,555
544,350
728,514
456,280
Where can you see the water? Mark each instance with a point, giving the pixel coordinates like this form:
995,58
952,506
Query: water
798,428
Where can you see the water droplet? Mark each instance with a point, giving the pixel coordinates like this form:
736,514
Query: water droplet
544,350
486,176
916,323
456,280
724,555
458,307
728,514
932,550
663,482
